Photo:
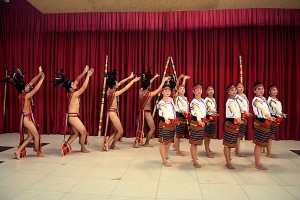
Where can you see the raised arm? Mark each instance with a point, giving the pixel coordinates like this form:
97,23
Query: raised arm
155,92
85,84
184,80
86,69
124,80
37,76
156,75
179,79
37,87
118,93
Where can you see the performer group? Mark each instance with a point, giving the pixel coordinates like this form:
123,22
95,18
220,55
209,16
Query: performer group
177,117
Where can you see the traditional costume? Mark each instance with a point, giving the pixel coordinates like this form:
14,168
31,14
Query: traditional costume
231,126
210,128
146,77
244,107
166,131
181,103
62,80
17,79
197,131
261,124
275,109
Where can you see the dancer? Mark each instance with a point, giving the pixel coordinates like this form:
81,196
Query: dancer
232,124
244,107
27,122
182,113
112,108
198,111
145,97
210,128
275,109
167,123
261,123
72,116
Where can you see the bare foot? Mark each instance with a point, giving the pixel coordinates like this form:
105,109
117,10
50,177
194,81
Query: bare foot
271,156
196,165
148,145
210,151
229,166
40,154
180,153
136,145
84,150
105,147
209,155
167,164
17,155
261,167
114,148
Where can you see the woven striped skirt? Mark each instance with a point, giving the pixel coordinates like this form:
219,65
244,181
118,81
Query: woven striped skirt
166,132
243,128
210,129
180,127
273,130
231,133
261,132
196,133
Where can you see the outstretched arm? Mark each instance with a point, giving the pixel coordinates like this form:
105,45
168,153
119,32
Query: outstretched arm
155,92
86,69
37,87
124,80
85,84
273,105
118,93
156,75
37,76
264,110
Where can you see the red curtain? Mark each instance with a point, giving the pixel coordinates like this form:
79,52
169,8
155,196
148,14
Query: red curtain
203,44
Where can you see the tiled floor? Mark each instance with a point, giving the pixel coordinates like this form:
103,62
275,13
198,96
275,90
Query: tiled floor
131,174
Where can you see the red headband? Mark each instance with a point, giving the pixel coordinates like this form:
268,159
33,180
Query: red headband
260,85
239,84
166,88
272,88
231,88
197,86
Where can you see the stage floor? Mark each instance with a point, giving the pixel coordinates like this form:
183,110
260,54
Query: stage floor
133,174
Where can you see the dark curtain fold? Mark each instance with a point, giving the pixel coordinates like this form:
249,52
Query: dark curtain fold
203,44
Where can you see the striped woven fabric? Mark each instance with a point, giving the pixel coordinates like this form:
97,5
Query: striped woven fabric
231,133
261,133
180,127
166,132
196,133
